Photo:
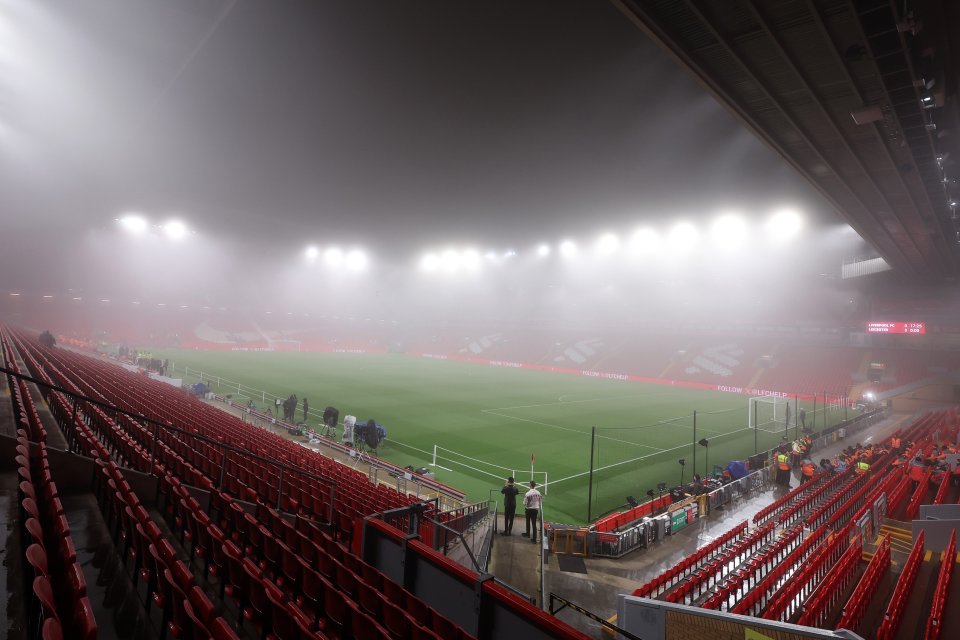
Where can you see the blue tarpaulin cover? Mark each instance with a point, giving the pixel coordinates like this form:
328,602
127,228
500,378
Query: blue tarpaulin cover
738,469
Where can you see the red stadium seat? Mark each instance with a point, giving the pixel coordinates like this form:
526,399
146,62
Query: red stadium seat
51,630
37,559
84,625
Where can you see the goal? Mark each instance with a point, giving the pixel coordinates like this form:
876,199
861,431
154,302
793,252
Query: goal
768,413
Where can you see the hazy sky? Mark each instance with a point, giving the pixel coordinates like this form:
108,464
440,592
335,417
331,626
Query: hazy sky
395,125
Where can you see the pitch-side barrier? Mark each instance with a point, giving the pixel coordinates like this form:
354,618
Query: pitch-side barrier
449,497
651,521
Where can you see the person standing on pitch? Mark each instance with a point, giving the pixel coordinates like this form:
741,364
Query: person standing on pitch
532,501
510,493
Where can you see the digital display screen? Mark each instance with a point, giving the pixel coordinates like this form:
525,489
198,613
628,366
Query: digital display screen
897,327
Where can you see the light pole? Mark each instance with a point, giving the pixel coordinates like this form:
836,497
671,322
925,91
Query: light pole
683,463
706,464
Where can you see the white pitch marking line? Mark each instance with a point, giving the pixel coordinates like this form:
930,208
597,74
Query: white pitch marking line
556,426
561,401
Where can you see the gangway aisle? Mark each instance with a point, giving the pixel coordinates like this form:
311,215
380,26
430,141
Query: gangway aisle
914,618
951,622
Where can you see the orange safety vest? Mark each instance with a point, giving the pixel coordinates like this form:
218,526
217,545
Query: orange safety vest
895,442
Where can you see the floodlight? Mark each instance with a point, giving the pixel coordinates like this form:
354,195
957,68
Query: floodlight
683,237
543,250
608,244
312,253
729,231
429,262
333,256
356,260
491,256
14,294
784,224
568,248
450,259
175,230
644,241
470,259
133,223
47,296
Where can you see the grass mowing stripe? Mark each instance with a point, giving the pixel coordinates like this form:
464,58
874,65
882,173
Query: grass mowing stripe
424,402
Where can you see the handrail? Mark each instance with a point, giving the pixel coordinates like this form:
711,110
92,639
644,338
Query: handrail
918,495
857,603
784,601
829,592
605,624
767,587
943,488
891,617
935,621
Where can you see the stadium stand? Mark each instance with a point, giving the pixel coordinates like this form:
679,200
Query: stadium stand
247,534
811,557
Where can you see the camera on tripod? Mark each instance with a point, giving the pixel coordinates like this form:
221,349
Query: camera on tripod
331,415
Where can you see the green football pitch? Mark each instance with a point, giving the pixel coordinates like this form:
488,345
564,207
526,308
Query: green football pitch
487,422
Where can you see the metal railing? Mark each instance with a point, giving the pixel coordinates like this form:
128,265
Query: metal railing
418,520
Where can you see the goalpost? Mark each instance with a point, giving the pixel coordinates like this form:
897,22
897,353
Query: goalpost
768,413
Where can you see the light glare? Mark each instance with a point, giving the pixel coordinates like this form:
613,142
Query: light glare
133,223
357,260
450,260
683,237
568,248
608,244
429,262
644,241
175,230
312,253
729,231
543,250
784,224
470,259
333,256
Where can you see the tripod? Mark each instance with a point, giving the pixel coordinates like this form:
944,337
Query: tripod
330,431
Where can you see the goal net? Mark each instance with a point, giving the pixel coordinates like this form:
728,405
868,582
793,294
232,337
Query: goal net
769,413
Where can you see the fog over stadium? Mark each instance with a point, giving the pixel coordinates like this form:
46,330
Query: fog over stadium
453,150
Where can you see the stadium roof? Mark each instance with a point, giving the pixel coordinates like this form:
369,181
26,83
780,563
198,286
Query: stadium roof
802,74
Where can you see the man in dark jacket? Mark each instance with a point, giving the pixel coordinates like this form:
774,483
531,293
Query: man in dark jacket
510,493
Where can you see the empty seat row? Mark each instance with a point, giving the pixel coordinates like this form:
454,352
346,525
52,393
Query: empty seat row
54,577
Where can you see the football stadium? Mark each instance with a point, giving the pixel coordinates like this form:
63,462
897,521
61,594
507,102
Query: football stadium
545,320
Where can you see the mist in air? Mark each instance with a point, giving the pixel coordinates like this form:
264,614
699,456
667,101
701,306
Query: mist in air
455,149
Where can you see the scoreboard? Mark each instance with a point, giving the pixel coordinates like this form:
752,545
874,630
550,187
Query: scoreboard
897,327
